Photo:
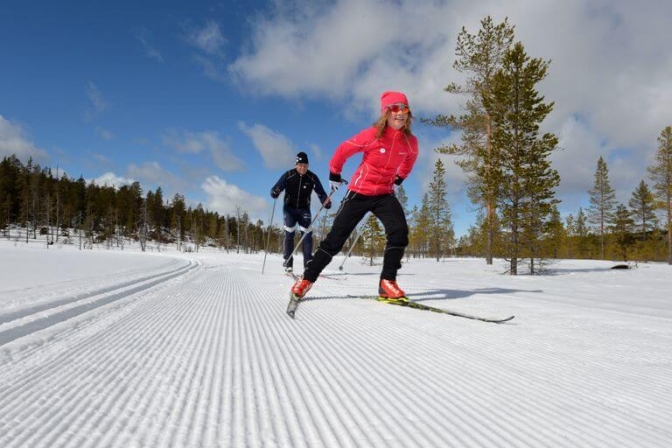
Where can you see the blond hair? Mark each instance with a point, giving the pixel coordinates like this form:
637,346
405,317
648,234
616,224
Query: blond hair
381,124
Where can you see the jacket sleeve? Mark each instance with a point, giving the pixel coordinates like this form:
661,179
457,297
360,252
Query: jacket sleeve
407,165
280,184
348,148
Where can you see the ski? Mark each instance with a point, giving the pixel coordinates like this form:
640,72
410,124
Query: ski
292,305
419,306
333,276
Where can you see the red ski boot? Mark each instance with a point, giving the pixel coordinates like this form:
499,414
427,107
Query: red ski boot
389,290
301,287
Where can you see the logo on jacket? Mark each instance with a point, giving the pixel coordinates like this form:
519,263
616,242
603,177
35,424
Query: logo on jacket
382,150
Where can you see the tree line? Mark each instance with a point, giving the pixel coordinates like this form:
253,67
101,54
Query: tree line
39,202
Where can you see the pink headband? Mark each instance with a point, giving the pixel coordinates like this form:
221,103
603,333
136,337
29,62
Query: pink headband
389,98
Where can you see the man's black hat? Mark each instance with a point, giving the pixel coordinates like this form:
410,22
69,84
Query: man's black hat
301,157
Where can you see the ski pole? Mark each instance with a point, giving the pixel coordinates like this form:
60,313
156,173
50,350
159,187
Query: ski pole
309,229
268,239
352,246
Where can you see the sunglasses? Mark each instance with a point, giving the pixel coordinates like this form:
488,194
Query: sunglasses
399,108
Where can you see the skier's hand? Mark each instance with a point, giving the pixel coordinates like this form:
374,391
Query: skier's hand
335,185
327,203
275,193
335,181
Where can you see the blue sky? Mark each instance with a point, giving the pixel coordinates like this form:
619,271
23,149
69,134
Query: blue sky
214,99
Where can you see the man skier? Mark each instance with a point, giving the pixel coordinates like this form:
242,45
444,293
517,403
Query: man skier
298,184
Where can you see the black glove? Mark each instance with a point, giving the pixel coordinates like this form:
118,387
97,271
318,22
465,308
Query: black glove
327,205
398,180
275,193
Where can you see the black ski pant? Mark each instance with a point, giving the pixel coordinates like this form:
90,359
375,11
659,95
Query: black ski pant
351,211
293,216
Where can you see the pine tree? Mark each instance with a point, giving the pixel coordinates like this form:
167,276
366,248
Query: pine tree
581,232
555,233
177,212
422,221
440,230
602,202
642,206
622,230
480,57
570,230
523,175
373,237
158,212
10,188
197,228
403,198
661,175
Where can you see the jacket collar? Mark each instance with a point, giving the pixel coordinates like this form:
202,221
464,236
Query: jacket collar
393,133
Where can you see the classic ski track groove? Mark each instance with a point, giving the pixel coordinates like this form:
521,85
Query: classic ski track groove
117,282
21,323
211,359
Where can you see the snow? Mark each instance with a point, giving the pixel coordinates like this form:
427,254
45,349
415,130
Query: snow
112,348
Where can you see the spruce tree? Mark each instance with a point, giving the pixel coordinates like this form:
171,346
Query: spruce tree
622,230
555,233
480,57
403,198
523,176
642,206
422,222
441,234
661,175
570,231
414,232
373,237
602,202
581,232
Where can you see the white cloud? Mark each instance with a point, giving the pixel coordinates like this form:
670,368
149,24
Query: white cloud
110,179
610,66
152,175
277,150
13,141
96,102
226,198
455,178
150,50
101,159
149,171
103,133
196,142
208,39
350,50
209,43
317,150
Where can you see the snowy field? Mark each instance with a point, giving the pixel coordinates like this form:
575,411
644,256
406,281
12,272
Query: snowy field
111,348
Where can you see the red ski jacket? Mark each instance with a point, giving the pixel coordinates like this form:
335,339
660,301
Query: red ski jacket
385,158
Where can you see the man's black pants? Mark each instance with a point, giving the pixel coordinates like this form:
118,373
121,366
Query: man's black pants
352,209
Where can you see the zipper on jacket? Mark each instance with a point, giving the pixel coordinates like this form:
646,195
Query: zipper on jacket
298,193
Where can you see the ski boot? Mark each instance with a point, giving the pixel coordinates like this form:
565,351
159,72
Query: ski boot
389,291
301,287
